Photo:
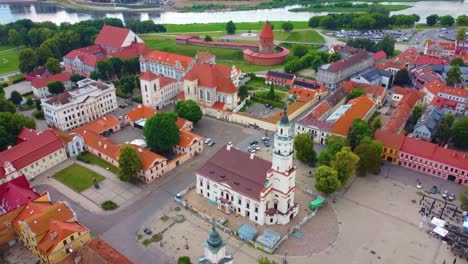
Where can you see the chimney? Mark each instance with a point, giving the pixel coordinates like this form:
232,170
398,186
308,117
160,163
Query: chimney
105,146
229,145
99,143
252,155
9,147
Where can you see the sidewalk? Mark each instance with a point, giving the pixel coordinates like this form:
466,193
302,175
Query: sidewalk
125,193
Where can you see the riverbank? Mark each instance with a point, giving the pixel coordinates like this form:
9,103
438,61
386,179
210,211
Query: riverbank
357,8
100,7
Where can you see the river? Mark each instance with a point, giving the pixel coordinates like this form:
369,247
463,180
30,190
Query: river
39,12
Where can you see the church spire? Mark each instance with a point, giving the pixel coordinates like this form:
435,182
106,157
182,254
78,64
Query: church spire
284,117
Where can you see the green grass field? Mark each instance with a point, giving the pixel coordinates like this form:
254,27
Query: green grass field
347,9
223,55
78,177
173,28
91,159
8,59
300,36
6,47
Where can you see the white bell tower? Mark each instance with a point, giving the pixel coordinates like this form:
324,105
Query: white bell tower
283,147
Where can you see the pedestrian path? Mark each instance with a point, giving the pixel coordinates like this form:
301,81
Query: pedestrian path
111,188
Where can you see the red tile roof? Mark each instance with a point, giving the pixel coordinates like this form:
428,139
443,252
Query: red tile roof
90,55
212,76
112,36
141,111
59,230
444,103
380,55
181,95
39,223
389,139
401,114
99,143
101,124
186,138
148,158
168,58
349,61
280,77
417,147
148,76
204,56
430,60
33,149
42,82
266,32
106,251
304,95
135,49
360,106
407,57
451,157
444,45
16,193
31,209
320,109
235,168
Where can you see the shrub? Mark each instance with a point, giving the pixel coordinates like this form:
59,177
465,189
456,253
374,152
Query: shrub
139,236
121,94
146,242
18,80
164,218
39,114
156,238
3,85
83,158
137,99
183,260
109,205
177,209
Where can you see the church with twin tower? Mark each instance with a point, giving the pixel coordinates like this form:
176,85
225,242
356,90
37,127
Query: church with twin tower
241,183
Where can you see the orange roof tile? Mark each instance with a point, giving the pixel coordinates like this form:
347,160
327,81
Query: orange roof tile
360,107
100,143
303,94
389,139
213,76
291,109
101,124
59,230
417,147
321,109
188,138
147,157
168,58
31,209
141,111
39,223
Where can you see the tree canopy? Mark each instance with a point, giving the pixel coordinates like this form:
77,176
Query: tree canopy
432,20
345,164
447,21
326,180
461,33
27,60
416,113
356,93
76,77
454,76
161,132
11,125
370,155
53,66
129,162
189,110
358,131
402,78
16,97
55,87
460,133
304,147
230,27
287,26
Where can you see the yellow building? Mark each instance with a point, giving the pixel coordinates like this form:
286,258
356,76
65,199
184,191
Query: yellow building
391,143
62,239
35,153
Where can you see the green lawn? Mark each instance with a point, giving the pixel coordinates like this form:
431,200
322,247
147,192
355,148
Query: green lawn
223,55
91,159
171,28
300,36
78,177
9,60
347,9
256,83
279,96
6,47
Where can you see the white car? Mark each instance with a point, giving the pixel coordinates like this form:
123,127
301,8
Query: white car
208,140
419,185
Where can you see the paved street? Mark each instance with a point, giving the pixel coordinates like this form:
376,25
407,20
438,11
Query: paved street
120,229
420,38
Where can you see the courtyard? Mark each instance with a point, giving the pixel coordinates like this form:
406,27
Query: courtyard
261,111
78,177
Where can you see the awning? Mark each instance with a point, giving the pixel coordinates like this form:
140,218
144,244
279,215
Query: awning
440,231
437,222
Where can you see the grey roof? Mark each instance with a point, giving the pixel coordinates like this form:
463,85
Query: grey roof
284,117
336,96
446,68
374,74
431,119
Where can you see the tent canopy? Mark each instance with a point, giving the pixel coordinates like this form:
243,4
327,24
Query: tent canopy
440,231
437,222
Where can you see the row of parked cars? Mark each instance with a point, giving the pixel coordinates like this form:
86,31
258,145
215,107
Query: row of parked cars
254,145
445,194
210,142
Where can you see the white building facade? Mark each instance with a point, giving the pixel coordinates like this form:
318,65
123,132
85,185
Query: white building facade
73,109
158,91
252,187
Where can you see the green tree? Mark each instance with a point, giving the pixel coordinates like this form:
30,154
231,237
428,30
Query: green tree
344,164
325,158
461,33
12,123
369,158
14,37
95,75
189,110
128,84
55,87
38,105
416,113
328,22
335,56
208,38
16,98
314,21
53,66
271,93
243,92
364,21
43,54
359,130
387,44
265,260
402,78
161,132
183,260
460,133
230,27
326,180
300,50
129,162
432,20
29,102
377,124
287,26
105,68
304,147
453,76
416,17
462,20
356,93
457,62
6,105
447,21
76,77
27,60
